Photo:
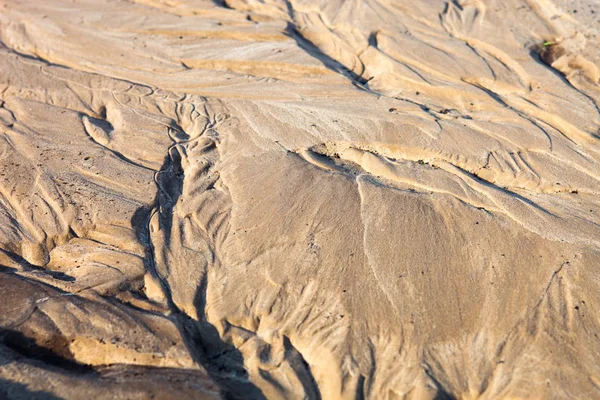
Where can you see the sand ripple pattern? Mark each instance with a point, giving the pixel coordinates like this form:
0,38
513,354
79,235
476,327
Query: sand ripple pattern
299,199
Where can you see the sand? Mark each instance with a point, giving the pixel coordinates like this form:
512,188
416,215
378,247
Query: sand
331,199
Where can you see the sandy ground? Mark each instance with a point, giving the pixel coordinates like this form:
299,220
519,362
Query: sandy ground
382,199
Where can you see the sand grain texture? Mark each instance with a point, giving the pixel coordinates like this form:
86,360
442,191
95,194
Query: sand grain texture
299,199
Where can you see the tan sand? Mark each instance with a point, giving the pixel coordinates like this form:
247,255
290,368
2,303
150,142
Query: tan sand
299,199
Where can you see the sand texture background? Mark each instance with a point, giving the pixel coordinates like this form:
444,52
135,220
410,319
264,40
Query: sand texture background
383,199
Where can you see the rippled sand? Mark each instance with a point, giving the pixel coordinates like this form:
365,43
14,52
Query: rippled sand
382,199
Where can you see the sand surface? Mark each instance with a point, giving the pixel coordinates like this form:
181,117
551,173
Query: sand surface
383,199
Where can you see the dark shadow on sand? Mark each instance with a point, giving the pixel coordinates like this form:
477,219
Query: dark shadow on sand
223,362
16,391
